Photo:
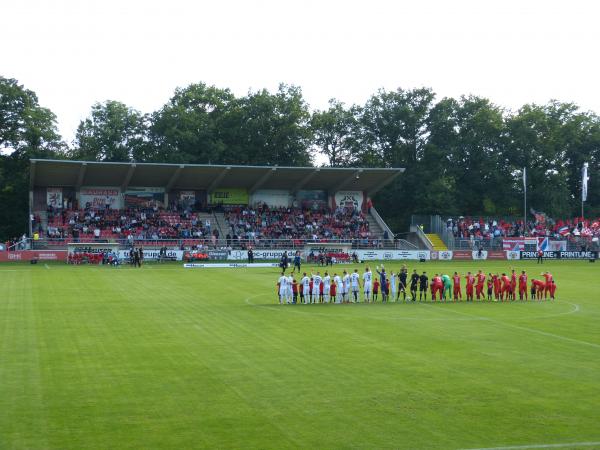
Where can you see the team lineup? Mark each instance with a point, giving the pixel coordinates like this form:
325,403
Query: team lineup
347,287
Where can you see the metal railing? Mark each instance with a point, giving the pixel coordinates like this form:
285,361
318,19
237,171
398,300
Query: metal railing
366,243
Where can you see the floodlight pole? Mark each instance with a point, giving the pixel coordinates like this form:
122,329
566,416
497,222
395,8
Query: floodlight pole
524,201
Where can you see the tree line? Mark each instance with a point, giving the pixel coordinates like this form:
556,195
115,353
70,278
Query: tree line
463,156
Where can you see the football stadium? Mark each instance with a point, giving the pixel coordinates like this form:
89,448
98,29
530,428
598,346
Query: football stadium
354,260
190,344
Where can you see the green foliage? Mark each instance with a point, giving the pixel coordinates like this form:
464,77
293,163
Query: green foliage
462,155
27,130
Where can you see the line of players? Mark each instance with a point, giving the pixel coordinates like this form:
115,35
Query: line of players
346,288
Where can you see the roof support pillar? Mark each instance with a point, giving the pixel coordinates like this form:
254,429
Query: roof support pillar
127,179
31,175
174,178
81,176
305,180
262,180
217,180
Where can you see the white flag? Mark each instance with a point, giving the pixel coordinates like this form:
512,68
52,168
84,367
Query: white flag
584,182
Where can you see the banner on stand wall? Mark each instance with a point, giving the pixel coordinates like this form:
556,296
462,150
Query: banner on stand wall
54,197
151,255
560,255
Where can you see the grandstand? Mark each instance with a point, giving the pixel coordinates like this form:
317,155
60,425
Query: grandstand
213,206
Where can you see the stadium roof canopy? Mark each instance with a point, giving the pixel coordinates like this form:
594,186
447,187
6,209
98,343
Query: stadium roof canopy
46,172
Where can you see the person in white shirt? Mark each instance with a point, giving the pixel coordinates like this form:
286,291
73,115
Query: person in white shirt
393,285
305,281
283,286
367,280
355,282
346,287
290,293
326,285
317,297
338,286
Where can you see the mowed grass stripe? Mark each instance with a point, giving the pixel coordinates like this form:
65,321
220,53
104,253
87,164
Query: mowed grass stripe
164,357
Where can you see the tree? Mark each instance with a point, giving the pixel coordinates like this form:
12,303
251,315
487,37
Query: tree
188,128
112,132
269,129
27,130
335,132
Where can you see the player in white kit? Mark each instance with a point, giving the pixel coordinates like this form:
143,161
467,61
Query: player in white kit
283,287
355,282
367,280
338,285
316,297
290,293
393,279
305,281
346,291
326,285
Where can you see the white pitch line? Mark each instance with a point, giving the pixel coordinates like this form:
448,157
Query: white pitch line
524,447
531,330
47,266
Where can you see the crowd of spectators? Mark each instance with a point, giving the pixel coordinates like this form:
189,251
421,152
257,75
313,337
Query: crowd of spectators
244,226
486,229
265,224
140,224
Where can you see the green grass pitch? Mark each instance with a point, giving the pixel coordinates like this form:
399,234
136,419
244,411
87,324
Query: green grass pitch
170,358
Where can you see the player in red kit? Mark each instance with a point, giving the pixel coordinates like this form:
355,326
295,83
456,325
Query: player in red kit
548,277
436,286
479,286
504,293
497,287
539,288
457,292
470,282
552,289
490,287
523,286
513,285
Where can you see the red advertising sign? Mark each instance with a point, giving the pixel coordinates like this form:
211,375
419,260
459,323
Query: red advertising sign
496,254
462,254
28,255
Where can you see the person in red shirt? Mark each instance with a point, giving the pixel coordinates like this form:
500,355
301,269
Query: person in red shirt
456,281
436,286
548,277
479,286
497,286
470,282
513,284
375,289
294,291
552,289
490,287
310,290
332,291
320,291
540,286
523,286
504,293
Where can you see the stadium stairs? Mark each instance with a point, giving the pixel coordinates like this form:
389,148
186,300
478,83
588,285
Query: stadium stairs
436,241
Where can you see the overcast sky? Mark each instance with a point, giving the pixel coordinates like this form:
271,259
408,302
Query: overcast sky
74,53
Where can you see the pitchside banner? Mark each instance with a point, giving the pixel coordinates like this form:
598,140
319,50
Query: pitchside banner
560,255
373,255
153,254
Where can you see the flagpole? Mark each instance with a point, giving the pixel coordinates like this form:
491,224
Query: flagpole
524,201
